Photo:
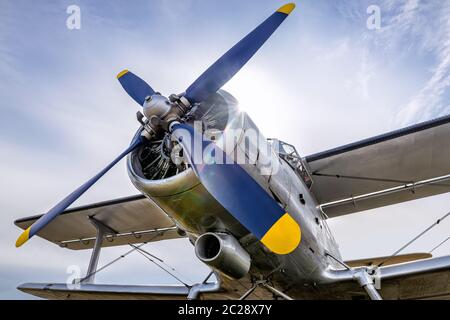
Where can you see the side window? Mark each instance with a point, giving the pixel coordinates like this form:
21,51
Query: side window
291,156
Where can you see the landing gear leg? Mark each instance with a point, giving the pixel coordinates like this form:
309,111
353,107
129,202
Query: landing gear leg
364,278
366,281
276,291
249,292
263,283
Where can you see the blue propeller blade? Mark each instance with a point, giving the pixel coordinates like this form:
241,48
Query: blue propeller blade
137,88
240,194
231,62
67,201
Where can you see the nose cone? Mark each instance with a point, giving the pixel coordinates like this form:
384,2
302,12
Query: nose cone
156,105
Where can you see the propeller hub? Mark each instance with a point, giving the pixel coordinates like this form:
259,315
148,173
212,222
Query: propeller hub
156,106
161,112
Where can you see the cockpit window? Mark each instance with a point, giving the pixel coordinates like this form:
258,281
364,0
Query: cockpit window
288,152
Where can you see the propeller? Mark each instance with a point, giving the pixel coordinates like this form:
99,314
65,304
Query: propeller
258,212
137,88
239,193
67,201
232,61
219,73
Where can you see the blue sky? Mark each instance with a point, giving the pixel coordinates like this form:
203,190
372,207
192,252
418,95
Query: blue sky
321,81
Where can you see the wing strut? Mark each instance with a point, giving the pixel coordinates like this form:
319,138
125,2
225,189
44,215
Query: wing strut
411,186
102,231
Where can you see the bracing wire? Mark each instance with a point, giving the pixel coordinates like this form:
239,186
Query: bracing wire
414,239
440,244
113,261
152,259
159,259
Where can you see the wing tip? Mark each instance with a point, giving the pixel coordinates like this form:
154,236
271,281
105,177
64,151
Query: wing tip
287,8
122,73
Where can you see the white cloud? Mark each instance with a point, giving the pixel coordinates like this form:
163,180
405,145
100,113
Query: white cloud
427,29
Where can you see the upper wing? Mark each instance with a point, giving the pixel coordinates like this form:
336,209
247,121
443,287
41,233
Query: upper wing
132,220
399,166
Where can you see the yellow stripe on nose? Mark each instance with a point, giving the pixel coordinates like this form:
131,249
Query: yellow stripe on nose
284,236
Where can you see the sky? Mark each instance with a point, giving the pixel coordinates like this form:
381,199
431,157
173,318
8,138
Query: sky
324,79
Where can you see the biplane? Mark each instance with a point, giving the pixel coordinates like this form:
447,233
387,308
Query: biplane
254,209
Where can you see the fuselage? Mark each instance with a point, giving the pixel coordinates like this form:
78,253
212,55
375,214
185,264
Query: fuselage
278,171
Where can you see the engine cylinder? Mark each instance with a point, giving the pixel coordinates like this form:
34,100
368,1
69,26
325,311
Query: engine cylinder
224,253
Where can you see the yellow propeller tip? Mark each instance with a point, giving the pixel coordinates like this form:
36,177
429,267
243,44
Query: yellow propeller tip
287,8
23,238
122,73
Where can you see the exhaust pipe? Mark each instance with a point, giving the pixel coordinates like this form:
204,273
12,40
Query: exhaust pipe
223,252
